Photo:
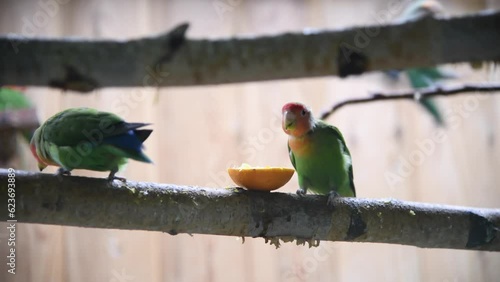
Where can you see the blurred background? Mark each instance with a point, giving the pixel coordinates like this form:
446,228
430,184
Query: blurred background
201,131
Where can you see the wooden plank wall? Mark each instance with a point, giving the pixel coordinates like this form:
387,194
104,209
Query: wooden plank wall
201,131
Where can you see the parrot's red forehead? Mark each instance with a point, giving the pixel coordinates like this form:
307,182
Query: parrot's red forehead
293,107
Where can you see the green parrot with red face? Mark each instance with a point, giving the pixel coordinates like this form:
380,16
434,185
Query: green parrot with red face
318,153
85,138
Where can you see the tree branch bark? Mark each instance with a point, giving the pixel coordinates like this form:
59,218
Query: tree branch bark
417,95
172,60
92,202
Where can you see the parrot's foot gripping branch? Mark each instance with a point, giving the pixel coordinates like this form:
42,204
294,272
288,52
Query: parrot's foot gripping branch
301,192
63,171
331,197
112,176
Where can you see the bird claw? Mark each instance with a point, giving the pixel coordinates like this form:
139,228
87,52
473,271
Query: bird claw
111,178
301,192
332,196
62,171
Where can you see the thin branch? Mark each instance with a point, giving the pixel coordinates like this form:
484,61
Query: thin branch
172,60
417,95
92,202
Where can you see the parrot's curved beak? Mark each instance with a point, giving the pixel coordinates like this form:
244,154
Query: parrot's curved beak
41,166
288,119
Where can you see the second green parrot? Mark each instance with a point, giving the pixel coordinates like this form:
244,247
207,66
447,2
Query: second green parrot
11,98
423,77
84,138
318,153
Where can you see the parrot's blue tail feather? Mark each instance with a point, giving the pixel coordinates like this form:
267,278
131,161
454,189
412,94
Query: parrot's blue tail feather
128,141
392,74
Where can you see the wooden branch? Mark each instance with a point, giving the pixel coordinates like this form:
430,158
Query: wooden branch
172,60
417,95
91,202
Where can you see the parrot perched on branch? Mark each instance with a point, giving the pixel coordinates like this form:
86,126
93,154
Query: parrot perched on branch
84,138
318,153
425,76
12,99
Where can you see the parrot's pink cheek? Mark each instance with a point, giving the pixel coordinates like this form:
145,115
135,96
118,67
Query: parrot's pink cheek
33,151
38,159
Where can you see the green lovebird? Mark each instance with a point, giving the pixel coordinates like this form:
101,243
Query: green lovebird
423,77
318,153
11,98
84,138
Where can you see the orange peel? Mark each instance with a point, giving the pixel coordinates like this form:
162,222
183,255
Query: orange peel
260,178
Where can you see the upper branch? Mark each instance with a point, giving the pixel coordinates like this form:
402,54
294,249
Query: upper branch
91,202
172,60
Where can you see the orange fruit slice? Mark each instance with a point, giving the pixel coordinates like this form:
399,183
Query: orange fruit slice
260,178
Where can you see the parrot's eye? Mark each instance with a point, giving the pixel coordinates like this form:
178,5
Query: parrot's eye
303,113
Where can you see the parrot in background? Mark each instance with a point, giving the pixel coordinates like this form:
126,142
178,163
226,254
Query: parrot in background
426,76
318,153
11,98
84,138
418,9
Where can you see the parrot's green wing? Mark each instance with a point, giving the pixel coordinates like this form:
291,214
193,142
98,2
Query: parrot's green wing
434,73
81,124
428,77
331,161
340,137
419,9
431,107
292,157
424,78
